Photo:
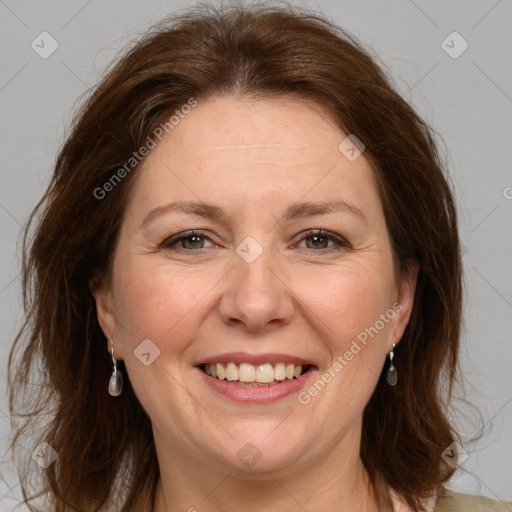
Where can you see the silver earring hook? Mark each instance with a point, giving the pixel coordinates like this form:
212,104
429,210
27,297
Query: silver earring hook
112,351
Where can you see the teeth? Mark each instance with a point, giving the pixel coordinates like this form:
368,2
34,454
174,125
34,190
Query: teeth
280,371
231,372
248,373
264,373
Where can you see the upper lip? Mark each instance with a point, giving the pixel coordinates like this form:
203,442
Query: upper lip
254,359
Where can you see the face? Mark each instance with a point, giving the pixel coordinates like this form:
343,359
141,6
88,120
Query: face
256,292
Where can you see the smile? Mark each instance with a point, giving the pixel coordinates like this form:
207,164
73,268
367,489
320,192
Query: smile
263,378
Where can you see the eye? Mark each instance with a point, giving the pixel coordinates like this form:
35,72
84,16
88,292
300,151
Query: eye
189,240
320,240
195,240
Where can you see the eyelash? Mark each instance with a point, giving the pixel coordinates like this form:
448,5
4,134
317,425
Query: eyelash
339,242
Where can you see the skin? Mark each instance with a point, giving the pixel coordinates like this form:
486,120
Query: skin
254,159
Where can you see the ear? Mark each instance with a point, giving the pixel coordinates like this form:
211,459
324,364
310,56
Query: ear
403,304
105,311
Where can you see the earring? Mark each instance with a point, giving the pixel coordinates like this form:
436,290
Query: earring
115,384
391,376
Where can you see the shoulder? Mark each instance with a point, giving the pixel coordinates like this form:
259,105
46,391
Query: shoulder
451,501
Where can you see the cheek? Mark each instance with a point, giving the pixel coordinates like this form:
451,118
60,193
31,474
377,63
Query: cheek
158,303
350,306
164,306
346,301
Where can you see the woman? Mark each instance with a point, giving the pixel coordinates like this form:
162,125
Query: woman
244,284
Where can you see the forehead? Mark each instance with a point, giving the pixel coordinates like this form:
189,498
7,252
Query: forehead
285,128
262,151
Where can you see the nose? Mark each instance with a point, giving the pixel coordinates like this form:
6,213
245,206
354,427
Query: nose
257,296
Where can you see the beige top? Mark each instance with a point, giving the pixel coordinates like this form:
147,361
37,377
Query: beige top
457,502
452,501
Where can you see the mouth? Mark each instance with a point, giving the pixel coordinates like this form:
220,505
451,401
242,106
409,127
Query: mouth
244,377
261,375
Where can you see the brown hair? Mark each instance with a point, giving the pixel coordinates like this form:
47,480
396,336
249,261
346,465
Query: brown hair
256,51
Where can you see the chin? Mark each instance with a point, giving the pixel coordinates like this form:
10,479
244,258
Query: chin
259,450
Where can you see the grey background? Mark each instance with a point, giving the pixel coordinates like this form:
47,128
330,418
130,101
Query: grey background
468,100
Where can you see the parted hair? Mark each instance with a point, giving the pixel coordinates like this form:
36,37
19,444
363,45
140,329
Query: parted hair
59,366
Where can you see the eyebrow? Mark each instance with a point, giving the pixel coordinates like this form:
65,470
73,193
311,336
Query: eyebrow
295,211
304,209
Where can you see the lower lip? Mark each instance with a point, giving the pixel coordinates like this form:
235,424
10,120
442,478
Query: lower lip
255,393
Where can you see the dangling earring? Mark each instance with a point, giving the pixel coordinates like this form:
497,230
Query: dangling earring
115,384
391,376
